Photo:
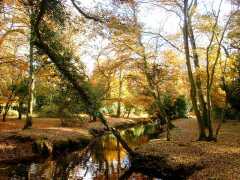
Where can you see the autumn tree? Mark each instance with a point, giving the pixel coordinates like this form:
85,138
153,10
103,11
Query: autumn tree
48,42
201,94
21,21
128,37
232,89
12,63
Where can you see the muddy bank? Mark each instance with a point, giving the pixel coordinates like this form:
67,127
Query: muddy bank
13,151
55,140
34,143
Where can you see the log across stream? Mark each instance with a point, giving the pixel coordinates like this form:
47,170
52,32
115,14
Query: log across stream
104,158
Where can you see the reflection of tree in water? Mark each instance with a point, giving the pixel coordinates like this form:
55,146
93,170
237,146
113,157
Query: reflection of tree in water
140,134
108,154
104,158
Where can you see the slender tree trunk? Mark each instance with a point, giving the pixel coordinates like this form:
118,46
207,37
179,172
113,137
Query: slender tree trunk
20,109
28,123
119,93
193,92
6,109
94,118
7,106
222,119
225,88
219,125
61,115
209,115
129,112
202,103
157,96
168,128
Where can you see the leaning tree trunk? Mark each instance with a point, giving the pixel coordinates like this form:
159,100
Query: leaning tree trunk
65,66
68,71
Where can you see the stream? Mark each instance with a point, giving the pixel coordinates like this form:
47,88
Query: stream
105,159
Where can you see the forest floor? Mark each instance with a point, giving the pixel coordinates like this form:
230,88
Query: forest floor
16,144
220,160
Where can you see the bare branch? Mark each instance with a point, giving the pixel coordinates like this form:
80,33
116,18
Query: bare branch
86,15
219,50
166,40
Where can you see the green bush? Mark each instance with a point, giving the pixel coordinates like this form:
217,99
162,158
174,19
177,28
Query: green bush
181,107
51,110
174,109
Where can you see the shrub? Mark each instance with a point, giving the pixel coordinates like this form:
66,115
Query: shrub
51,110
181,107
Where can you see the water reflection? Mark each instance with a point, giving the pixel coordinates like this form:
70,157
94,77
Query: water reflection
105,159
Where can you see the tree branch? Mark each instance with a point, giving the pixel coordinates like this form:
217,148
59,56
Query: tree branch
87,16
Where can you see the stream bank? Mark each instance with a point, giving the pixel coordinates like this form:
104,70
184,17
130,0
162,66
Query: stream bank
181,158
41,140
104,158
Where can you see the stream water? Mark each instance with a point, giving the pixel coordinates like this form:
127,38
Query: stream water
105,159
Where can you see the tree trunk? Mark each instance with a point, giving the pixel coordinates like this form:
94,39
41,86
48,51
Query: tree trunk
94,118
119,93
222,119
168,128
202,103
70,73
219,125
193,92
8,105
28,123
20,109
6,109
209,115
129,112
